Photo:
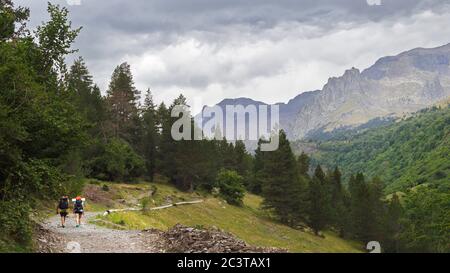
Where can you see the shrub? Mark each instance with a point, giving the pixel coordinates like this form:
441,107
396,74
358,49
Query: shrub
145,203
15,222
231,187
116,160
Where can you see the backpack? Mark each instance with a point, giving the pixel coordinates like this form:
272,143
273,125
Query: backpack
79,205
63,203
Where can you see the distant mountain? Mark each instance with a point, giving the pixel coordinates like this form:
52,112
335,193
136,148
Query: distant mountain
392,87
289,111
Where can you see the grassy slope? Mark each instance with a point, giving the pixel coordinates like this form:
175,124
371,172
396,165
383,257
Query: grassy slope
248,223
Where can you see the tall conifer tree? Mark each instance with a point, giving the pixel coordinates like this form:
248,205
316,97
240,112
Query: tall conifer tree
303,164
281,188
122,99
318,198
150,134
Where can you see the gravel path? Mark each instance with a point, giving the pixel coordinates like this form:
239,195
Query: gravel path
90,238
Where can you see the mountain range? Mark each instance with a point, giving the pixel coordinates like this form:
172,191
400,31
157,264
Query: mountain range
393,87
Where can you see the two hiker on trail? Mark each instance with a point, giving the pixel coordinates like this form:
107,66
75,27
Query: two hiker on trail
63,209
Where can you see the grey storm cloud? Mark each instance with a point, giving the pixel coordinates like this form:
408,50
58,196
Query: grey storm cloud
178,16
268,50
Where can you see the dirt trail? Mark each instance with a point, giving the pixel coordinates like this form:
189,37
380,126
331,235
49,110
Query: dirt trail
90,238
95,239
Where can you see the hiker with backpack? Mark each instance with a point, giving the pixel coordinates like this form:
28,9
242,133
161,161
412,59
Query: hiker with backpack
78,209
62,209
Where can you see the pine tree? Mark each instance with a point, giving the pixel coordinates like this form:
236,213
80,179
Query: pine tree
257,178
318,199
336,186
303,164
393,227
360,208
377,210
88,102
166,148
122,98
179,101
241,158
187,160
226,154
209,164
79,78
86,96
98,103
344,216
302,189
300,204
150,134
162,115
338,210
181,159
281,188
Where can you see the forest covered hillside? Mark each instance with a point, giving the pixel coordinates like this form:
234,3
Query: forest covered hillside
407,153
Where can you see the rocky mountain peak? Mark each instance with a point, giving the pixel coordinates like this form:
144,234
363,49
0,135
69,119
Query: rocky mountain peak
394,85
353,72
350,76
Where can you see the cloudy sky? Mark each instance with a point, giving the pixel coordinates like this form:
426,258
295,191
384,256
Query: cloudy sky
266,50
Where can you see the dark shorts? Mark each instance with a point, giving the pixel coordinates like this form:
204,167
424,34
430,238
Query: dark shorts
80,212
63,213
